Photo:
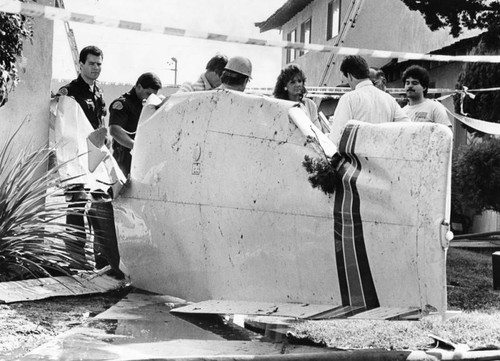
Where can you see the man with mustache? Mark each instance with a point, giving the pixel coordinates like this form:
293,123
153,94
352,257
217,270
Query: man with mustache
419,108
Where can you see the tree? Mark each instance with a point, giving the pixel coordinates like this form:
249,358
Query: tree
484,105
458,14
14,29
476,177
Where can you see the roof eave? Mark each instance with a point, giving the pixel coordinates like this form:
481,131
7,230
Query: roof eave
283,15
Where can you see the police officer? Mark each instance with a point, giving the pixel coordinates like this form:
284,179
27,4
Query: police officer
124,115
89,96
85,90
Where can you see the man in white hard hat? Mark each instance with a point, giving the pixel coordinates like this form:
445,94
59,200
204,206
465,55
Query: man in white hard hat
236,74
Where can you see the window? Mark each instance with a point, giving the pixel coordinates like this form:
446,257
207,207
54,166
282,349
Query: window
333,20
291,54
305,34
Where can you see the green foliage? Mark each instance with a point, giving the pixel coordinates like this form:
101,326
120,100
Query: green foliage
14,29
485,105
476,177
34,238
458,14
323,172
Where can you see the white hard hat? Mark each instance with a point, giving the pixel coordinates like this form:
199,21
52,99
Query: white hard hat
240,65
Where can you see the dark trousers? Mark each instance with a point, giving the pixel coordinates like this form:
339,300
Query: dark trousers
105,244
76,246
101,219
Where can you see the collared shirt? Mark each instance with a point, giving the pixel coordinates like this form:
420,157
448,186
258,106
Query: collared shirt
90,99
125,112
368,104
201,84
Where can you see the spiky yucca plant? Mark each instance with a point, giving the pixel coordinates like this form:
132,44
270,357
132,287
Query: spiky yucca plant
35,240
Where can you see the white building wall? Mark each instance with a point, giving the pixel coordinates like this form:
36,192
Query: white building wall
381,24
31,97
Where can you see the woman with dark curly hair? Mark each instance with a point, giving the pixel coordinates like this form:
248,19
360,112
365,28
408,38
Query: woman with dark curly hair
290,85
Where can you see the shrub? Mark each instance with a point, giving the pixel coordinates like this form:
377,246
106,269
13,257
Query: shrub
34,238
476,177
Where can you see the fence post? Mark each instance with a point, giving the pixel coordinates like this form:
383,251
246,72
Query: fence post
496,270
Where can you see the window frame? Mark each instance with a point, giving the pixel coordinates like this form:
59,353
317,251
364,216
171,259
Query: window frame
330,23
291,54
305,34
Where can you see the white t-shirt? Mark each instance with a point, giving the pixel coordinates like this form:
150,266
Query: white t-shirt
428,111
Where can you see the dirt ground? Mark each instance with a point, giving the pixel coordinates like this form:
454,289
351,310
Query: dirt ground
26,325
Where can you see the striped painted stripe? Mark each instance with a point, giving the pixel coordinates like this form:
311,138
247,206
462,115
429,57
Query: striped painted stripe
52,13
355,279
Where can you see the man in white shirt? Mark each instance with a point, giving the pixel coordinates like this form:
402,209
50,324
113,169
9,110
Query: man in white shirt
366,102
421,109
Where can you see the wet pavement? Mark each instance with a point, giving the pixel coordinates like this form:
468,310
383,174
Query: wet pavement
141,327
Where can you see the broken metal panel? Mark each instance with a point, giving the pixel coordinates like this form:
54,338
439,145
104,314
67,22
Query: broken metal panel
220,208
140,306
404,189
299,310
386,313
191,177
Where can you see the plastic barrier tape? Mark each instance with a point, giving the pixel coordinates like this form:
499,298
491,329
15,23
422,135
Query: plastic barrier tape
48,12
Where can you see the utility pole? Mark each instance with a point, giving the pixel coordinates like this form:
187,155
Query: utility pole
175,69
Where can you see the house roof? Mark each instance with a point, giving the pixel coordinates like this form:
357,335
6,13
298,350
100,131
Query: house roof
460,47
283,14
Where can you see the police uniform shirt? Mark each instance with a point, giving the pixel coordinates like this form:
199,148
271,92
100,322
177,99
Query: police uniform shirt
125,112
90,100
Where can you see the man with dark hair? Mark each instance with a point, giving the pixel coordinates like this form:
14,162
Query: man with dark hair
236,74
89,96
365,103
124,115
377,76
85,90
210,79
420,109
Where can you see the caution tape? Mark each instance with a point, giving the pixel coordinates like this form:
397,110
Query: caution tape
342,90
52,13
477,124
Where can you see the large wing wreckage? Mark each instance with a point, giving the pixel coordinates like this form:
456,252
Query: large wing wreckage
219,207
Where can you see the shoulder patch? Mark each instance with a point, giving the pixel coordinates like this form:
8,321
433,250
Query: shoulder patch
63,91
117,105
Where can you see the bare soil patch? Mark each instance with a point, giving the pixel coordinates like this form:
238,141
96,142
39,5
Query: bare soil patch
26,325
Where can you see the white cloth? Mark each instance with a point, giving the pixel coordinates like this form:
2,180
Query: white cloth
311,110
428,111
368,104
80,161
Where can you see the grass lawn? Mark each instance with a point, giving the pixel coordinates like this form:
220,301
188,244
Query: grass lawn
470,290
